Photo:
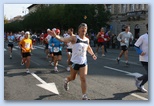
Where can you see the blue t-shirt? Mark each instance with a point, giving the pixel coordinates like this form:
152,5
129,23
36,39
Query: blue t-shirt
57,45
10,38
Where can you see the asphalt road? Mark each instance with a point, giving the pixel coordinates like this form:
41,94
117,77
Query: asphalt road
106,80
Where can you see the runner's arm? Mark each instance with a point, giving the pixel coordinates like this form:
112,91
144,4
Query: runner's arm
66,40
90,51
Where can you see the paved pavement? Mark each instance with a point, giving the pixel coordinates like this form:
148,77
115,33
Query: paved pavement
106,80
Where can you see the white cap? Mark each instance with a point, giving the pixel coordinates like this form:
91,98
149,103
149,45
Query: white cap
27,32
53,29
48,29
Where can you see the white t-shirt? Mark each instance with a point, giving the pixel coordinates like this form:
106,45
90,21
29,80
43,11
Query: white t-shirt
69,44
79,51
65,35
126,37
48,37
142,43
21,37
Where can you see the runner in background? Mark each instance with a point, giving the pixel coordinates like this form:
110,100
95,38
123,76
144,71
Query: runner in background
69,48
11,40
26,46
124,38
56,49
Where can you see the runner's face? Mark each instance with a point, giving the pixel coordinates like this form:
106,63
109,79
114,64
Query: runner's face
26,36
128,29
69,32
83,30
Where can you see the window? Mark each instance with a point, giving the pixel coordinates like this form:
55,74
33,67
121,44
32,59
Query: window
123,8
109,7
131,7
142,7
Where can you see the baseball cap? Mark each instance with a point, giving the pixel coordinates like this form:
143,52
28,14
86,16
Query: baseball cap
48,29
82,24
57,31
27,32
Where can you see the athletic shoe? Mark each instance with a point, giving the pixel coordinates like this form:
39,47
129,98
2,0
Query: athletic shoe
118,60
66,84
103,54
27,71
56,69
10,56
22,63
127,64
68,68
84,97
142,89
96,54
138,82
52,63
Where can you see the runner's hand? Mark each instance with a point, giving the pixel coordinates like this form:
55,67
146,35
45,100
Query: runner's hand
52,33
143,53
24,49
94,57
122,41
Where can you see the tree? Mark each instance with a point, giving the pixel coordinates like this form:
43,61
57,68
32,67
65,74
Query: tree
5,20
63,16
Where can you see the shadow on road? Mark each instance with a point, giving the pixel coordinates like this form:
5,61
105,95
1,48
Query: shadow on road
118,96
44,96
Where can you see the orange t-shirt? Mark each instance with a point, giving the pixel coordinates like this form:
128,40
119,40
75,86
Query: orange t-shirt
26,44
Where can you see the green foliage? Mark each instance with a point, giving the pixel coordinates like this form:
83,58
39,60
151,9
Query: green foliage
62,16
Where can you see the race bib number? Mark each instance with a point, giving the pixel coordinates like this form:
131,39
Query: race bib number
56,49
81,51
27,45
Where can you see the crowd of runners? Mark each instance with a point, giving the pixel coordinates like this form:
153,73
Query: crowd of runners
77,47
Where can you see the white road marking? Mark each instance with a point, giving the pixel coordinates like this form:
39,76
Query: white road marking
39,47
48,86
138,96
128,73
7,50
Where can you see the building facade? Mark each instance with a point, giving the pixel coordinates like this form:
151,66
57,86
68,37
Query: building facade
135,15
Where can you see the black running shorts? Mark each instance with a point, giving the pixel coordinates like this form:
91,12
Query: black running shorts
124,48
77,66
24,55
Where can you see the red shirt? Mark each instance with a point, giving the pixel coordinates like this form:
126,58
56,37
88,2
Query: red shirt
101,37
45,35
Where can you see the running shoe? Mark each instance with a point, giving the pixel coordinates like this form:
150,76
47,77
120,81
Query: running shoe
103,54
137,82
68,68
52,63
10,56
118,60
96,54
22,63
66,84
27,71
84,97
56,69
142,89
127,64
